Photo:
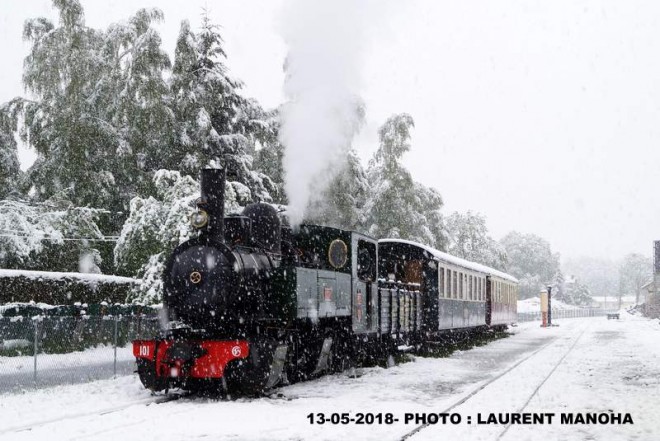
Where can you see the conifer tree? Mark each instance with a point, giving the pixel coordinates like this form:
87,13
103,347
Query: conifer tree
216,125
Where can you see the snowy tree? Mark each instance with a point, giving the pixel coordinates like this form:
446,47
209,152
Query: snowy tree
341,202
51,236
635,270
216,125
157,225
61,71
559,285
396,205
9,165
98,114
574,293
469,239
531,260
141,108
268,160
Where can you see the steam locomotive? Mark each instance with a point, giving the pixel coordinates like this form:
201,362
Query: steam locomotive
251,304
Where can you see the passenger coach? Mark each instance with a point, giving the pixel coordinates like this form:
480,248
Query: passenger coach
455,294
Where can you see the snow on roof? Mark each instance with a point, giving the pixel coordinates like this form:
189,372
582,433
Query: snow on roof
7,306
82,277
454,260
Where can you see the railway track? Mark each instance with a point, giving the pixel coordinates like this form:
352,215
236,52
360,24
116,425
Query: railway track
109,410
481,387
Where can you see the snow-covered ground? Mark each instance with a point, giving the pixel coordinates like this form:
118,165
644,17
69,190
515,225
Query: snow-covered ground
584,365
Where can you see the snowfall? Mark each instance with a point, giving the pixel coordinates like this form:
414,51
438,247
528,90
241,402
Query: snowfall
581,366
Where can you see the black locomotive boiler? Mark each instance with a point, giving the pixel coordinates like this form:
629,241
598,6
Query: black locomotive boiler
251,304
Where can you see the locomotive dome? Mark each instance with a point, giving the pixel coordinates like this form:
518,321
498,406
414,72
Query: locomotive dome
266,226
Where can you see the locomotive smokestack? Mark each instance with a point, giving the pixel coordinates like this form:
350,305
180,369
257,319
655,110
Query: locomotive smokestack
213,200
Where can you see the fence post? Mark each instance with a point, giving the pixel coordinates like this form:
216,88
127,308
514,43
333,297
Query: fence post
36,348
114,368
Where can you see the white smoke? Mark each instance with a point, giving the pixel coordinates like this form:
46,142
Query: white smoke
323,79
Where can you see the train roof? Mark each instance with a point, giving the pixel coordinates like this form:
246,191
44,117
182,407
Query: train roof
454,260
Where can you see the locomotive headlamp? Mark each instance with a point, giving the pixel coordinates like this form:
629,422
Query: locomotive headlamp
199,219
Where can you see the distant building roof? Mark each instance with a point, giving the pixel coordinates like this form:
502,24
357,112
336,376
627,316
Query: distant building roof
611,299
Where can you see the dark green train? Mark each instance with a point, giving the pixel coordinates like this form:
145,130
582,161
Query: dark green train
252,303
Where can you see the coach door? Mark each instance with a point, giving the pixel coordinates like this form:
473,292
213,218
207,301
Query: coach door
365,317
489,300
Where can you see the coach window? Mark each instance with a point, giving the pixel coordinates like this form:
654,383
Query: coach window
366,261
450,281
449,278
461,294
454,286
457,284
441,281
467,287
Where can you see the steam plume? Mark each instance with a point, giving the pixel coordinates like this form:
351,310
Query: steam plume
325,42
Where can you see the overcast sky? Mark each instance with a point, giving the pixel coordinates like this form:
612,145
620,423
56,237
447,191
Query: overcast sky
542,115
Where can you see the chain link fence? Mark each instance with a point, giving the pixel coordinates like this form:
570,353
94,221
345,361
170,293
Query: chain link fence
45,351
562,314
